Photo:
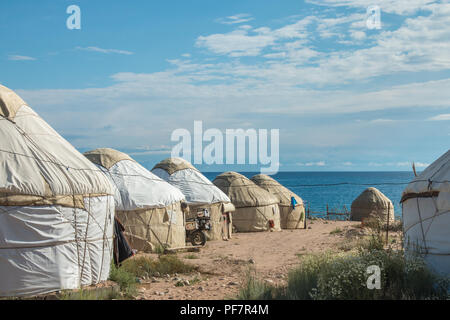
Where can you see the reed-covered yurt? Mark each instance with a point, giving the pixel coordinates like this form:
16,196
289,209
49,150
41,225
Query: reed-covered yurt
372,203
426,214
148,207
200,193
56,208
256,209
292,211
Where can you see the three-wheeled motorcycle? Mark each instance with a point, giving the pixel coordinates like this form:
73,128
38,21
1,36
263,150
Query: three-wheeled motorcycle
197,226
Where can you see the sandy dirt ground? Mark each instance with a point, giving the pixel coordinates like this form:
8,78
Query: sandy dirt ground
224,265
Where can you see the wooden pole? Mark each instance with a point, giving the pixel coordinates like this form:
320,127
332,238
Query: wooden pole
309,213
387,223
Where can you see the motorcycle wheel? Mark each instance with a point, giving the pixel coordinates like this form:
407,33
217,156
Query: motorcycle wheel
198,238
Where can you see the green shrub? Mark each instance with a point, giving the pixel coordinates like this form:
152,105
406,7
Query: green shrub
336,231
255,289
344,277
159,249
166,264
373,242
126,280
84,294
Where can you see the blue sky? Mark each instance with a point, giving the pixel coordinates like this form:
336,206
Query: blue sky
344,97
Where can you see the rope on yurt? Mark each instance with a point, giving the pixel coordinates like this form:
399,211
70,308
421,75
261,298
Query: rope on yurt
32,144
149,228
261,213
105,238
170,225
86,237
300,218
421,226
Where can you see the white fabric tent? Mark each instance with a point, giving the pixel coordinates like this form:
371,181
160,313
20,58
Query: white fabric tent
198,190
426,214
194,185
56,208
139,193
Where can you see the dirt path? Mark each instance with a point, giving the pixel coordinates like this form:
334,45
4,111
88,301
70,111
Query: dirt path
224,264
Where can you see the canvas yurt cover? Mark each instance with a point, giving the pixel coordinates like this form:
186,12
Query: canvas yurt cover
291,217
56,208
372,202
256,209
198,190
148,207
426,214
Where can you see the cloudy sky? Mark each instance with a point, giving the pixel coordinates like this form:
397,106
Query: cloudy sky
345,97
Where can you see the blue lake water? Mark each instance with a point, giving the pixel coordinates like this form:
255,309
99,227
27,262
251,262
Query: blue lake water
317,189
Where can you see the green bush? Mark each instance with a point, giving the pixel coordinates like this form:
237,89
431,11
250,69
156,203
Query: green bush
126,280
336,231
84,294
255,289
166,264
338,276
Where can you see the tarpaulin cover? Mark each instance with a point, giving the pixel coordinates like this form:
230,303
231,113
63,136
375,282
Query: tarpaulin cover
56,208
148,206
426,214
198,190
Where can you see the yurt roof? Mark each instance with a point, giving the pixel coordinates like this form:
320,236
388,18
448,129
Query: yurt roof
37,161
172,165
195,186
242,191
10,103
372,197
106,157
138,187
274,187
435,178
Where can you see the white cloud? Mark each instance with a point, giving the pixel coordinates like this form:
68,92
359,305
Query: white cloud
247,41
149,152
236,43
235,19
284,83
420,44
381,121
421,164
20,58
312,164
399,164
101,50
358,35
390,6
440,117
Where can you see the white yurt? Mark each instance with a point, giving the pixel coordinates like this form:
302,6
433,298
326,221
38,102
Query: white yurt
148,207
56,208
256,209
200,193
426,214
